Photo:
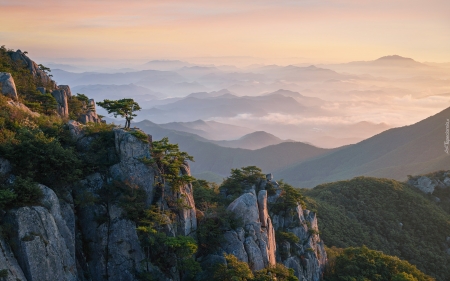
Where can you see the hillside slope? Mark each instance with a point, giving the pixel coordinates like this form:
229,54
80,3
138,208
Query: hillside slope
254,140
219,160
395,153
385,215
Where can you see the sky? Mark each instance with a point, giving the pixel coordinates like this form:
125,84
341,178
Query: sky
317,30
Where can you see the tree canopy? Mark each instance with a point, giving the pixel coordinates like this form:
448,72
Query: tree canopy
122,107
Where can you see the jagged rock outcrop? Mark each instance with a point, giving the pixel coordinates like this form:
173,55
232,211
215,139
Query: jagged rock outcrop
61,99
41,240
130,151
113,249
66,89
307,256
40,75
428,184
255,243
22,107
91,114
7,86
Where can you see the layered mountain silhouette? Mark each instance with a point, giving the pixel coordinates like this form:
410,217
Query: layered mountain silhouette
252,141
210,130
395,153
210,157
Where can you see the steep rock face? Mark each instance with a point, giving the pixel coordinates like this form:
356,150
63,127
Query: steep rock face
7,86
8,261
255,243
187,216
130,150
66,89
61,99
39,232
34,69
113,249
307,257
91,115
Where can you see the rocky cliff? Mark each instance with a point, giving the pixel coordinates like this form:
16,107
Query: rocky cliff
272,230
60,240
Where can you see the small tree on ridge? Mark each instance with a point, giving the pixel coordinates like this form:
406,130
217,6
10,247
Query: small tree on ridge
123,107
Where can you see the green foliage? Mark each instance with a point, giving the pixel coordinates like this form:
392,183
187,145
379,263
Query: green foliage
168,160
206,195
286,236
241,179
122,107
3,273
130,197
368,211
289,199
42,158
100,154
22,192
48,103
184,247
275,273
364,264
140,135
233,270
25,83
166,252
6,197
78,105
441,192
211,227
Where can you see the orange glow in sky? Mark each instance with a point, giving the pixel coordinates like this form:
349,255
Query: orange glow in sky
322,30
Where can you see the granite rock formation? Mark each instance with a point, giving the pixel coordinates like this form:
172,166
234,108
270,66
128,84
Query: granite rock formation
7,86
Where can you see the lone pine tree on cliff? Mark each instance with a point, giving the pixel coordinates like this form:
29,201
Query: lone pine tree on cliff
123,107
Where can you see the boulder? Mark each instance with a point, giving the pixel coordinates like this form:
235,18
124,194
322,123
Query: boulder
34,69
39,232
61,99
246,208
5,167
259,242
7,86
22,107
66,89
8,261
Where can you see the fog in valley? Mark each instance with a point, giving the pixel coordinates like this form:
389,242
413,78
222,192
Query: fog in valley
326,105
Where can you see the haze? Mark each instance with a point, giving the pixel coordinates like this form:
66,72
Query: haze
329,73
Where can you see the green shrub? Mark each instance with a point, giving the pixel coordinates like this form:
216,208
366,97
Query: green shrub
211,227
368,211
232,270
140,135
286,236
279,272
241,179
206,195
289,199
3,273
365,264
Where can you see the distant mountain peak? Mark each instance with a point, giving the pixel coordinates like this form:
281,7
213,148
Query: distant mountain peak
395,57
